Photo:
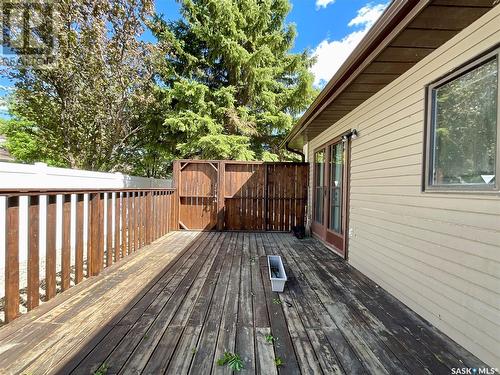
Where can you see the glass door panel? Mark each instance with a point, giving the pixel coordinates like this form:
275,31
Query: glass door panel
336,187
319,186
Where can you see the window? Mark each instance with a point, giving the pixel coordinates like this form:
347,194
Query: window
463,139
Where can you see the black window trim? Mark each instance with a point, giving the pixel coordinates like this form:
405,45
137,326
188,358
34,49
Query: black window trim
429,127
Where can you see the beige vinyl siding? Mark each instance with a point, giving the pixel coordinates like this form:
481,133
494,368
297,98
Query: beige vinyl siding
439,253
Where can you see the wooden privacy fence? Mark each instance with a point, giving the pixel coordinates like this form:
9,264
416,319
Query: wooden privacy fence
233,195
92,230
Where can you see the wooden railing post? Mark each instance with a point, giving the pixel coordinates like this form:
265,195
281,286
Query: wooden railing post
12,259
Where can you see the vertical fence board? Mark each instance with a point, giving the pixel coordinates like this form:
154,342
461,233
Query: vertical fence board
144,213
79,239
33,253
286,211
139,211
66,243
50,252
117,227
168,205
125,224
161,214
12,259
131,228
93,253
158,215
100,255
154,219
137,220
147,208
109,231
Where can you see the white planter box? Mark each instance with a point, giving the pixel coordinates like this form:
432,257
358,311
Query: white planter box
277,273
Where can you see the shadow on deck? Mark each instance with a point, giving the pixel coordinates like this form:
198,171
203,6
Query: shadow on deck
177,305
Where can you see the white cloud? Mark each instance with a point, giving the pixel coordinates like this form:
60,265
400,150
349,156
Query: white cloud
368,15
323,3
330,55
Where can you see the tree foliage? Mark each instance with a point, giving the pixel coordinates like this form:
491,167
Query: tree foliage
86,103
25,144
231,88
220,83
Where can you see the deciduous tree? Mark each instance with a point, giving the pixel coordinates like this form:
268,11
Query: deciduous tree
87,101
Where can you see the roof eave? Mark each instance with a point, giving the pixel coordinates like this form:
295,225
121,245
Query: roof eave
396,14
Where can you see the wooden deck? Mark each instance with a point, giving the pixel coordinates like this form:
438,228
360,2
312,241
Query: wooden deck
177,305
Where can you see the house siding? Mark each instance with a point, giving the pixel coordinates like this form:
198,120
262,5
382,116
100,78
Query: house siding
439,253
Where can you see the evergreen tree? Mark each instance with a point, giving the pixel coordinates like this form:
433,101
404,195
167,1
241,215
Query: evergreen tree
229,86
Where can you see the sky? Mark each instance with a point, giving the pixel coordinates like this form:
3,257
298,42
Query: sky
329,29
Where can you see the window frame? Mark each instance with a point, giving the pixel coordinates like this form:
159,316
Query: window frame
430,110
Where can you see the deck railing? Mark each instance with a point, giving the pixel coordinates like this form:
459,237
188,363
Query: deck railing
67,235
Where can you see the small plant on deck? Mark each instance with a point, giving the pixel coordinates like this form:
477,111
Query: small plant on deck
102,370
231,360
278,361
270,339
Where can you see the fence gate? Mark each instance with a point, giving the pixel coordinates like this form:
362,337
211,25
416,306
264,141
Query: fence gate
197,184
233,195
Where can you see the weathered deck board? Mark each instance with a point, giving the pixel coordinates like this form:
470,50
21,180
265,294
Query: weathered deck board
177,305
